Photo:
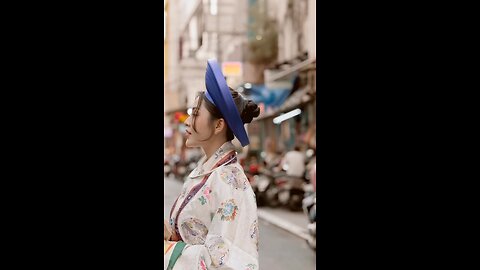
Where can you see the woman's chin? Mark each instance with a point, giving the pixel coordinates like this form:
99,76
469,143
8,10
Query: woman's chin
188,143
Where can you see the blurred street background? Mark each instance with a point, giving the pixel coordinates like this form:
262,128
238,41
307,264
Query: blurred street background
267,51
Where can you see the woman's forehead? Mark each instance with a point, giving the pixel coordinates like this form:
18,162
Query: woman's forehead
197,98
196,102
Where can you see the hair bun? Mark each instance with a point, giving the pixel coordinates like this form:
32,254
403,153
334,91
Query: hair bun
250,111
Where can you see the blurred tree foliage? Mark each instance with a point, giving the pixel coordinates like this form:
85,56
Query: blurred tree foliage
262,45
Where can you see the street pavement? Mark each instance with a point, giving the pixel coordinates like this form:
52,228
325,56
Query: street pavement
282,234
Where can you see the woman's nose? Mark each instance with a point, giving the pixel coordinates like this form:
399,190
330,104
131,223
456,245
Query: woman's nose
187,121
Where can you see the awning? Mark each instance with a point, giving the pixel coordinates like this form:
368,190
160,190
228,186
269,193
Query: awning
298,98
259,93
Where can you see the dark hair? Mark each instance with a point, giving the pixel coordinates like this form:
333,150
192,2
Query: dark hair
247,109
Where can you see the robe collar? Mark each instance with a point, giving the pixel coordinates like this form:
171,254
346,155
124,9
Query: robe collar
205,167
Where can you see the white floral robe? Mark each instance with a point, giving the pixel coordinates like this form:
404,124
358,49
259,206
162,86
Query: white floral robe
219,223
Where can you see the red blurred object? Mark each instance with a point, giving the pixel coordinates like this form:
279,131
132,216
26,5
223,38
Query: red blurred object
180,117
253,169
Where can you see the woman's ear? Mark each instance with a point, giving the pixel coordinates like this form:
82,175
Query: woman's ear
219,126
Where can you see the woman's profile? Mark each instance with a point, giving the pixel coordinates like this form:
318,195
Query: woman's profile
213,223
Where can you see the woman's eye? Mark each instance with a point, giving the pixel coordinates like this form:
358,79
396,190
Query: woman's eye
195,111
192,111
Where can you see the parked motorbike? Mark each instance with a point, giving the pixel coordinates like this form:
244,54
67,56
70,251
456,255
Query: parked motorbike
180,169
260,183
309,206
286,190
251,171
167,169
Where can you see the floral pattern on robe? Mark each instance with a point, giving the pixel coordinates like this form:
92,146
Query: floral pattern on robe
254,233
194,231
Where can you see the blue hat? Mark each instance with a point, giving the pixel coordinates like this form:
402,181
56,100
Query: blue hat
219,94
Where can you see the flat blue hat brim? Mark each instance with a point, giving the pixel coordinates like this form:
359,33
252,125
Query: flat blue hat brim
219,94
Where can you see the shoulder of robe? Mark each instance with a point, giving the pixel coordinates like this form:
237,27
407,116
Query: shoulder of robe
230,177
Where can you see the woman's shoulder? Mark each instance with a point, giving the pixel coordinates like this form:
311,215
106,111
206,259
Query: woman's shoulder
234,168
231,175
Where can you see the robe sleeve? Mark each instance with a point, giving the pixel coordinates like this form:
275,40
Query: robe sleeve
232,238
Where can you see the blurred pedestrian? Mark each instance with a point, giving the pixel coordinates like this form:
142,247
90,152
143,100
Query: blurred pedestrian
214,219
294,162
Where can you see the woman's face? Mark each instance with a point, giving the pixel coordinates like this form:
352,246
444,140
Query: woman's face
203,125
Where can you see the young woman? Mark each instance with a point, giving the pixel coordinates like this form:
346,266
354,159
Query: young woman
213,222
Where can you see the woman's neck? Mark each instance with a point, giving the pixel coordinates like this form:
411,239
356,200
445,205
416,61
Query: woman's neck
210,148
